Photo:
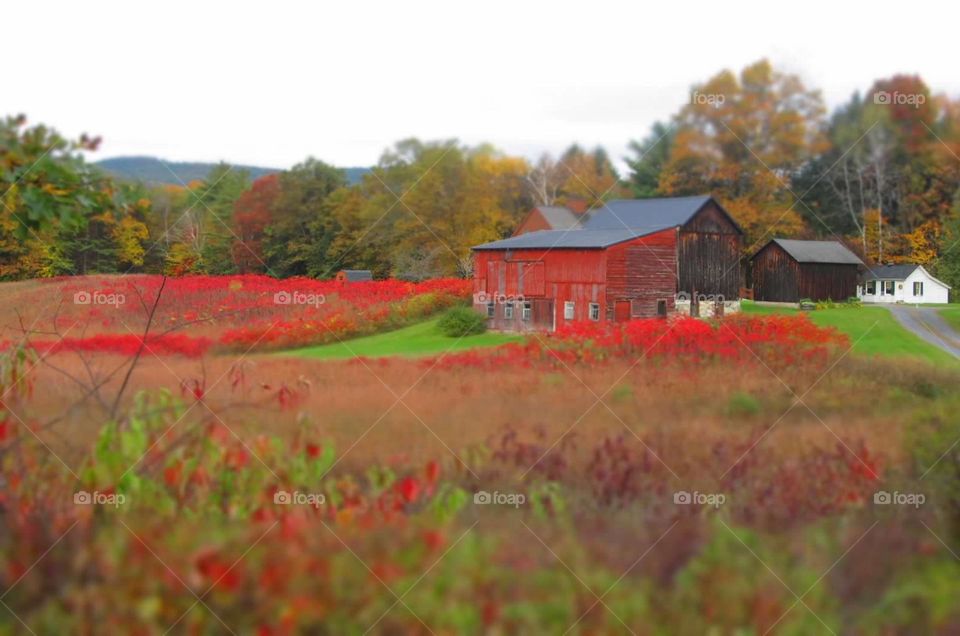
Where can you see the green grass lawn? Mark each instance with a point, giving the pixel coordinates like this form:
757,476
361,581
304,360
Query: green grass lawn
421,339
874,331
951,313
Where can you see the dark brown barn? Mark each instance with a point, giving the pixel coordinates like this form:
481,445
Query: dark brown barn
630,260
786,270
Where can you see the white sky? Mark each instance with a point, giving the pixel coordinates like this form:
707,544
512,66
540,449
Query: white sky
269,83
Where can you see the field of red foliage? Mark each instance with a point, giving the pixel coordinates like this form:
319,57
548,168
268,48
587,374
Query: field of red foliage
193,314
661,477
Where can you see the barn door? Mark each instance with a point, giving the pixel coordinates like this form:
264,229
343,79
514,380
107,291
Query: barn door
621,311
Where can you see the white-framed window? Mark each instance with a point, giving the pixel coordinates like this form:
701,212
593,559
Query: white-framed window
491,310
594,311
568,310
888,288
918,288
508,310
871,288
526,313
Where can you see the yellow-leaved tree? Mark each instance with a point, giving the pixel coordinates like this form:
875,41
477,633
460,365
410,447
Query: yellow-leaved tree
742,138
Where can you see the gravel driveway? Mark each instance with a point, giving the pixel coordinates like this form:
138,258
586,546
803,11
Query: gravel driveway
929,325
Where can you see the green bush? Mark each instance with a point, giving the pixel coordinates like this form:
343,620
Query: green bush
850,303
742,404
462,321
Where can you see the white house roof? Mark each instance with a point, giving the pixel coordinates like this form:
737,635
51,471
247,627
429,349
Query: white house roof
898,272
890,272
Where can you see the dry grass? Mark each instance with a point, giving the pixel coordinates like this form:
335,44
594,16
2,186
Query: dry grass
402,411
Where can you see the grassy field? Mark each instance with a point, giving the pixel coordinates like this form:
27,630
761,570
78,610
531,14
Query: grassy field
874,331
951,313
416,340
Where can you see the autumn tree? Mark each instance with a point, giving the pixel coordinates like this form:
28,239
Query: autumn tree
883,161
544,179
303,225
742,138
425,204
649,156
60,215
204,229
590,176
252,214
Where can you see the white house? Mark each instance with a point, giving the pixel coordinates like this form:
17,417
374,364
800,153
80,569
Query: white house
901,284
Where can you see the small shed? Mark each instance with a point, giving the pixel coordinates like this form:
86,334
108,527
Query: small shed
354,275
787,270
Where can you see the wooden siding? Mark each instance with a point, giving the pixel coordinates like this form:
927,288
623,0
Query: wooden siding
708,254
778,277
643,271
560,275
825,281
775,275
541,318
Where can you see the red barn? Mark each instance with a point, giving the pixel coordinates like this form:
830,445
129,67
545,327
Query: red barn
630,260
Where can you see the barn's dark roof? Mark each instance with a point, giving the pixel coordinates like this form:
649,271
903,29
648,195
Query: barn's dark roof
659,213
559,218
889,272
565,239
831,252
358,275
614,222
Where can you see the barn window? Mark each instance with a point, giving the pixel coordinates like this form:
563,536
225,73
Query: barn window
508,310
491,309
918,288
871,287
594,311
568,309
527,311
662,308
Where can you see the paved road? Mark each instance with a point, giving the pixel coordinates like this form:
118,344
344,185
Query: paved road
929,325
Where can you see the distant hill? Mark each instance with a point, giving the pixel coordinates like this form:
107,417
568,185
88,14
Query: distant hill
154,171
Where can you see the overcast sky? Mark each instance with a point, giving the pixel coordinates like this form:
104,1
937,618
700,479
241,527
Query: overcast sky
269,83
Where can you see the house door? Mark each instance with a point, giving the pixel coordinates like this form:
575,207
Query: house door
621,311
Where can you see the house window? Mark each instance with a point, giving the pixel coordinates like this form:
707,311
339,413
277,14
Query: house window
918,288
594,311
508,310
491,309
568,308
871,288
887,289
527,311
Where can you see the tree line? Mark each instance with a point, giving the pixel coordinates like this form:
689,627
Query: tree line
881,172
